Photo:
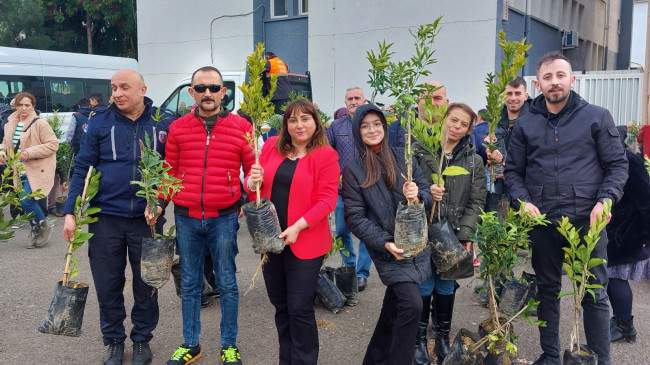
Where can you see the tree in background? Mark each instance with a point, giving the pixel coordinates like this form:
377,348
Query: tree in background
84,26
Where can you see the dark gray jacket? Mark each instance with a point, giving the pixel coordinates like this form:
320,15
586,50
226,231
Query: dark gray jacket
464,195
565,163
370,212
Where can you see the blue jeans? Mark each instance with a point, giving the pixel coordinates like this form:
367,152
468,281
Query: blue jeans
342,231
30,205
442,286
219,235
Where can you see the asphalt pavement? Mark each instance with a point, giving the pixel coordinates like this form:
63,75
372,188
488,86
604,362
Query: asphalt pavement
28,278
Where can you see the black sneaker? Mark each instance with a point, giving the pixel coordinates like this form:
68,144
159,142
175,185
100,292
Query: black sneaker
207,300
185,355
141,353
230,355
114,354
545,359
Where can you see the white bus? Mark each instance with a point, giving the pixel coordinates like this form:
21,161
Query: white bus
57,79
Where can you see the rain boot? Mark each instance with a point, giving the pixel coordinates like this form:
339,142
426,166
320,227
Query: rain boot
620,330
432,328
444,312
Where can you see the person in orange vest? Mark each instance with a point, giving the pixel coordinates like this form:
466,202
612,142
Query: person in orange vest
274,65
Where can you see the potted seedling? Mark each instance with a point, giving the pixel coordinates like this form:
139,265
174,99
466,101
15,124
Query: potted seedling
401,79
577,264
66,312
261,216
498,242
155,183
64,163
329,294
514,58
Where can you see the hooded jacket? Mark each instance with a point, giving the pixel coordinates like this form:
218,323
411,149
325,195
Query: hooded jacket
503,132
370,212
112,146
77,128
464,195
565,163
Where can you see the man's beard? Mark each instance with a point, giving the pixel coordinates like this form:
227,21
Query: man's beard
557,98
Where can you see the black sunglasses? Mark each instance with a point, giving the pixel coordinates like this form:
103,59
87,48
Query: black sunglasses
200,88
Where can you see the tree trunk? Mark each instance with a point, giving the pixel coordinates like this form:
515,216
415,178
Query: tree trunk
89,32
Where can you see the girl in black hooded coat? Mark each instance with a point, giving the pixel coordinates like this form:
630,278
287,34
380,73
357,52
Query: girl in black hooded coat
373,185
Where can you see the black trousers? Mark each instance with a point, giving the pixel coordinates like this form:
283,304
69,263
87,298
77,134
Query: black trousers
547,259
116,238
291,284
393,342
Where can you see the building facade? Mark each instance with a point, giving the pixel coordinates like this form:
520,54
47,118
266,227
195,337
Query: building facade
330,38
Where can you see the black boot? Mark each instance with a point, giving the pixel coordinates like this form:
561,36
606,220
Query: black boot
432,328
421,350
620,330
444,312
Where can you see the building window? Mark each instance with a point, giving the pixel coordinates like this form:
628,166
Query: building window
303,7
279,8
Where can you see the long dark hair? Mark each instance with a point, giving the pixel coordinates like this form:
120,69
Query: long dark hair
283,143
379,163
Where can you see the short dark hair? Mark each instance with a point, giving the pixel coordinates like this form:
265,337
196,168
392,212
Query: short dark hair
283,143
518,81
268,55
206,69
96,96
551,56
83,102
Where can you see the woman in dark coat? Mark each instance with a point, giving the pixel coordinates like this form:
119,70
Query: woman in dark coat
373,185
628,253
459,201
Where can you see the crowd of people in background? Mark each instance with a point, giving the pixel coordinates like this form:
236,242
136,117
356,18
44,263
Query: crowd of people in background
557,155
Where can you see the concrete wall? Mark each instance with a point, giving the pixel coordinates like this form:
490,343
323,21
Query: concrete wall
175,38
341,32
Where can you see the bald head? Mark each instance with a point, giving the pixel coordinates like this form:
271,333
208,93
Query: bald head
128,92
438,97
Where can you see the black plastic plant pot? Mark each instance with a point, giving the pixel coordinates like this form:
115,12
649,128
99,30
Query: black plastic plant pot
446,249
499,203
328,294
487,326
484,296
156,260
410,229
513,295
176,275
66,312
460,352
346,280
499,356
584,356
263,226
532,289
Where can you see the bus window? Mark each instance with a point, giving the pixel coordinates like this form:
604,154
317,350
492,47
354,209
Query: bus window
64,93
12,85
96,86
229,99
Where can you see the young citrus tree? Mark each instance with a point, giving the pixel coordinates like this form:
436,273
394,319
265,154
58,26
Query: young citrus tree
256,105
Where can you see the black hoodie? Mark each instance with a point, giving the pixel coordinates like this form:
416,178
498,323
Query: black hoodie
565,163
370,212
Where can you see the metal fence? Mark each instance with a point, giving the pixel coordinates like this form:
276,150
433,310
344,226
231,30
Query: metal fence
620,92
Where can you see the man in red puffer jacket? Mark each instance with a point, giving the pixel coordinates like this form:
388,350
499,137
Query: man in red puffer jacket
206,149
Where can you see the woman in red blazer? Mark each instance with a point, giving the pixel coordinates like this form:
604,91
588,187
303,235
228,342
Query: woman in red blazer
299,173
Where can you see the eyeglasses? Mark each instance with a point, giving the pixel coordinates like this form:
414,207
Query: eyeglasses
376,126
200,88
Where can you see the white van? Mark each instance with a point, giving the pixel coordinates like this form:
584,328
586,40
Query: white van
57,79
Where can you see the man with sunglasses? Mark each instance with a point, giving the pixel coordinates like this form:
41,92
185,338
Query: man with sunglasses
111,146
206,149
